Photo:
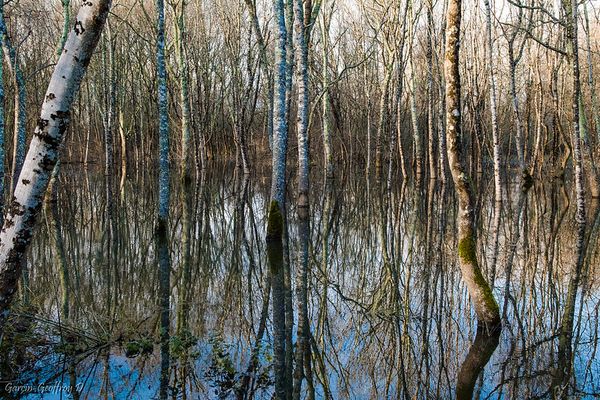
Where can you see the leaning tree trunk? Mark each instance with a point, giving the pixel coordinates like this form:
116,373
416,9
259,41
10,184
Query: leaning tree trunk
2,150
21,216
486,308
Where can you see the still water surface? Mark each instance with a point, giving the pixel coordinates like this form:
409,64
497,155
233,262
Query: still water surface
388,312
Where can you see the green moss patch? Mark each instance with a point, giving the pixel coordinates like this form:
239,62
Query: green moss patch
275,222
134,348
467,250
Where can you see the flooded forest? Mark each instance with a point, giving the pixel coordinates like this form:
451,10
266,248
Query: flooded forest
299,199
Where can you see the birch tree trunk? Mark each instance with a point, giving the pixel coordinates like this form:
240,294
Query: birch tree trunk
303,346
265,67
20,112
382,124
495,139
162,244
110,93
397,145
182,62
303,98
2,130
443,148
418,144
591,84
515,53
430,108
516,109
567,322
485,305
275,223
289,26
30,189
163,118
329,168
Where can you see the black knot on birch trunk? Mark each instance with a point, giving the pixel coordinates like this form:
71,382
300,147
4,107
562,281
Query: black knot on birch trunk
48,161
79,29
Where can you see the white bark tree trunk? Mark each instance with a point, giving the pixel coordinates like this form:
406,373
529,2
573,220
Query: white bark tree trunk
303,345
21,215
276,219
495,140
20,113
182,62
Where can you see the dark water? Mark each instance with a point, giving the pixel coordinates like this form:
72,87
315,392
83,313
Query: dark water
388,312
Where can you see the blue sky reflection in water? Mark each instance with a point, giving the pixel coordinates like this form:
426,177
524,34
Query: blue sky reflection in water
360,329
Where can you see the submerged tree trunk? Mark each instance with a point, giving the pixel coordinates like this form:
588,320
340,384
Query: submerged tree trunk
303,347
565,356
485,305
276,218
161,234
43,152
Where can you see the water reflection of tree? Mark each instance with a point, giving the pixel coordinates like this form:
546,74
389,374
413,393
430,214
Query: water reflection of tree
365,336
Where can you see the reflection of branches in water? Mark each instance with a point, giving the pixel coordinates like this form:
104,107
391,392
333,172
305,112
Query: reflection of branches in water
371,322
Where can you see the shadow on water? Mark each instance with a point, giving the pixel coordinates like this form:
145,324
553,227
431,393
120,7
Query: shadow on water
372,269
